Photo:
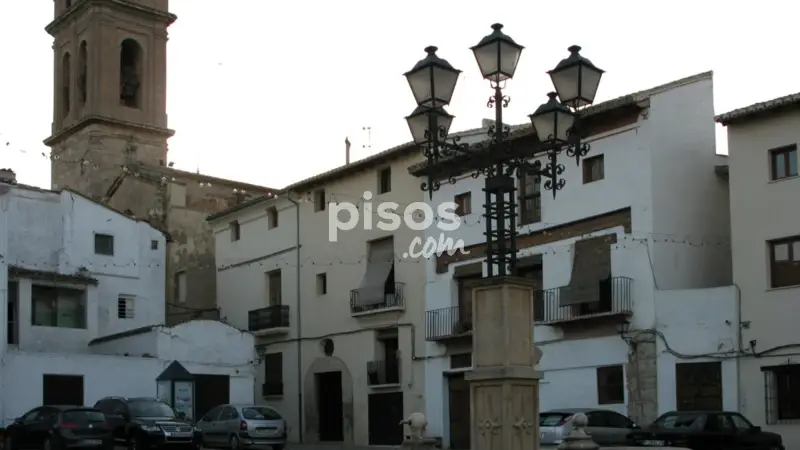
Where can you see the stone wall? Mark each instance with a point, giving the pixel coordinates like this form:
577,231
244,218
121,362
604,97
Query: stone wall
642,379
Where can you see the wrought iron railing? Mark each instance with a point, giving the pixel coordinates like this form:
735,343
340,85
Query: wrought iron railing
369,299
272,388
276,316
448,322
383,372
612,297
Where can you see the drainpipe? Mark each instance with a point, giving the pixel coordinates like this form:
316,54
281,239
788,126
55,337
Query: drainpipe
299,321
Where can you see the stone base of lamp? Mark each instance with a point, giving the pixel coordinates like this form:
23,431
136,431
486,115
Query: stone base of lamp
504,385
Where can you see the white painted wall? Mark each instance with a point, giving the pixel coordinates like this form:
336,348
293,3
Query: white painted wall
678,239
756,217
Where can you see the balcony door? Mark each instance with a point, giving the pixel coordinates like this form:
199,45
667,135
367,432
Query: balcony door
274,287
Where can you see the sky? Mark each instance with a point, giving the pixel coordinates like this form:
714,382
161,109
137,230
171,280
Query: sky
266,92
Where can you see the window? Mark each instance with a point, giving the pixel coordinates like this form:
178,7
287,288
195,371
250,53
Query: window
698,386
82,73
12,321
180,287
62,390
530,199
125,307
593,169
682,421
274,287
616,420
610,385
66,68
130,69
322,283
58,307
103,244
273,374
260,413
782,393
465,301
385,180
535,273
319,200
785,262
153,245
784,162
228,413
272,217
463,204
236,231
212,415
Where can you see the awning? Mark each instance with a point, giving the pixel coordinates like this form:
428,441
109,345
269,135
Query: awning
591,264
379,265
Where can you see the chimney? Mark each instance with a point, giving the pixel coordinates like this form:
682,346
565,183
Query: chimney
8,176
347,151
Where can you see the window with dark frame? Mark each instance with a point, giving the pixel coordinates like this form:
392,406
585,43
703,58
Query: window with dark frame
610,385
782,393
103,244
698,386
463,204
154,245
785,262
62,389
58,307
272,217
322,283
273,374
319,200
385,180
530,200
784,162
593,169
125,307
274,288
236,231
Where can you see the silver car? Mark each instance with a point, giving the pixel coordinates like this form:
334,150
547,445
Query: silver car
243,426
607,428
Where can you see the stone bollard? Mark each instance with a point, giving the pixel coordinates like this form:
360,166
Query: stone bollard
417,423
578,439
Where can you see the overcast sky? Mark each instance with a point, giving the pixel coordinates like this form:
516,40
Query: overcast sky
266,92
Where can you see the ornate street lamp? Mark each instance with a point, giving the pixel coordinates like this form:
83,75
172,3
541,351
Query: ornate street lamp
433,80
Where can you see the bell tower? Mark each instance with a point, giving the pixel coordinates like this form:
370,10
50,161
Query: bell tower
110,90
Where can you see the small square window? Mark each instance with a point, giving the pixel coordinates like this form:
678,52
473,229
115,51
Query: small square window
125,309
103,244
463,204
272,217
322,283
593,169
153,245
784,162
385,180
236,231
319,200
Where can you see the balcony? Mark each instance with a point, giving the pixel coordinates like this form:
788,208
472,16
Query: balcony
448,323
367,301
383,373
269,320
614,302
272,389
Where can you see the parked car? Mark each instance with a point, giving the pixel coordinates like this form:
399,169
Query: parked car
59,427
606,427
705,430
243,426
141,423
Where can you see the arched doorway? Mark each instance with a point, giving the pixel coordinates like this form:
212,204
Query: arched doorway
328,404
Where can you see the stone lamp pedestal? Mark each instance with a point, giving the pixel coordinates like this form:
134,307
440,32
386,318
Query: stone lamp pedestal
504,385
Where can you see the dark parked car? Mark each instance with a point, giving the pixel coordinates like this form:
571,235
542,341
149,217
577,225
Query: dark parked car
705,430
142,423
59,427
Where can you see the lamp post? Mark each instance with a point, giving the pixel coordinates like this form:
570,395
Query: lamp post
557,124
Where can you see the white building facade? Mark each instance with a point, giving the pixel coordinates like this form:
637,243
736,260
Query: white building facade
763,144
632,259
82,295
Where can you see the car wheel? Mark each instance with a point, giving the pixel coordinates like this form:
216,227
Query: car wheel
234,442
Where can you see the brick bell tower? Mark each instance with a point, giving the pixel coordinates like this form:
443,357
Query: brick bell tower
109,99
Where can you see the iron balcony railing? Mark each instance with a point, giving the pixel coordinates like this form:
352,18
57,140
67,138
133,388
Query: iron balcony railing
368,299
276,316
272,388
383,372
447,323
613,298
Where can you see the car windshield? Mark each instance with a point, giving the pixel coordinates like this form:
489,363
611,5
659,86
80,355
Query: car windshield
260,413
150,408
552,419
83,416
683,421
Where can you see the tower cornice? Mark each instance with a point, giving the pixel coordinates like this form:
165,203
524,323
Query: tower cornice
140,10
